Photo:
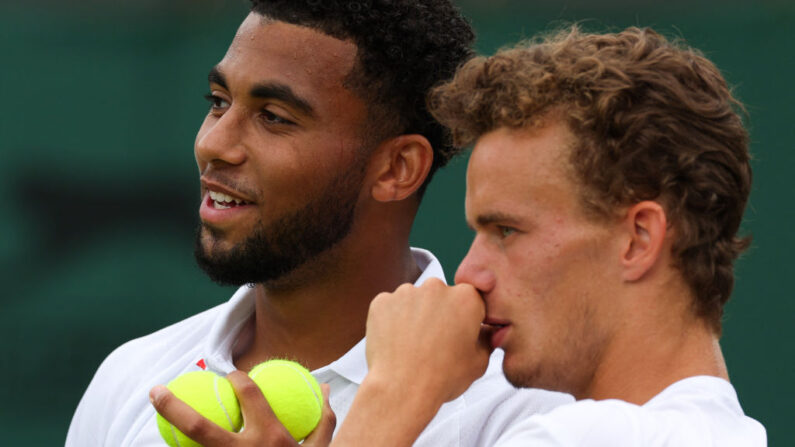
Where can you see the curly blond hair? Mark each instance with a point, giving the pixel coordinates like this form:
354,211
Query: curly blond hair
654,120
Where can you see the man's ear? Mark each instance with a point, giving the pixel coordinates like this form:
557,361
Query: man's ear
400,166
646,226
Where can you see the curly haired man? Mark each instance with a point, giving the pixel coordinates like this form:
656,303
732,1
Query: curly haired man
606,188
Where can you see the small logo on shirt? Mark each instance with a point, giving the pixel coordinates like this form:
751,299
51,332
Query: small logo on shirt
201,364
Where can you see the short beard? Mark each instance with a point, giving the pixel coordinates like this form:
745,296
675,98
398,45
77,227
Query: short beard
271,252
574,369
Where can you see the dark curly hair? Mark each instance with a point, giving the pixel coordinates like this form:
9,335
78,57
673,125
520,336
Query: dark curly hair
654,120
404,48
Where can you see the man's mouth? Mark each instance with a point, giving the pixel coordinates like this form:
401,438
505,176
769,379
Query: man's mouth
494,332
495,324
221,201
492,326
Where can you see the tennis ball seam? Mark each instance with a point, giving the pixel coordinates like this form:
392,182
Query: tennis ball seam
174,434
318,399
221,404
197,389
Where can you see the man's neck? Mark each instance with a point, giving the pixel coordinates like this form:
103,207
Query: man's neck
652,353
319,320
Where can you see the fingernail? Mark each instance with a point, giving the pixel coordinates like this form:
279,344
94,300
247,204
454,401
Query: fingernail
156,393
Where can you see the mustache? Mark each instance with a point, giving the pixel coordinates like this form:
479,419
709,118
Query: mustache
231,183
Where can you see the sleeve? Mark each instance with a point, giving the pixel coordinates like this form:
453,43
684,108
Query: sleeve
92,418
80,431
117,397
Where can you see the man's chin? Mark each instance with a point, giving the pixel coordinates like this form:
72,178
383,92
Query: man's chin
212,237
213,249
517,380
520,376
215,255
217,243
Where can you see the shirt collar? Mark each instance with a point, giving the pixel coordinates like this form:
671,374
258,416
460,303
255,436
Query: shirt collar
219,343
236,312
353,364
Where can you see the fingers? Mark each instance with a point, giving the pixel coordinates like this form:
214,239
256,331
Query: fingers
187,420
253,404
322,434
469,298
260,425
259,422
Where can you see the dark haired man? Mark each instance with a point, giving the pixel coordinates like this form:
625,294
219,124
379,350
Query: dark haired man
606,188
313,157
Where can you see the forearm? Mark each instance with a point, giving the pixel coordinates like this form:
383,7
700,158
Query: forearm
386,414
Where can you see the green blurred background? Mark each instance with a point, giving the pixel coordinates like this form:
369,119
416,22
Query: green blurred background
104,99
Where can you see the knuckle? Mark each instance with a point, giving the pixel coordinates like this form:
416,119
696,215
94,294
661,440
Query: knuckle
236,375
196,428
404,288
286,441
280,438
380,298
465,289
331,418
378,302
434,283
249,390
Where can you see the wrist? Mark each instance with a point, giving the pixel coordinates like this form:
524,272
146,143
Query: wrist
386,413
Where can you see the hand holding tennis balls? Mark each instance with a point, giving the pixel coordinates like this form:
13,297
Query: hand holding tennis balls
293,395
211,396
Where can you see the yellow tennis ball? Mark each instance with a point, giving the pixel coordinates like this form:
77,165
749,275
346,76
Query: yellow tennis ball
293,394
209,394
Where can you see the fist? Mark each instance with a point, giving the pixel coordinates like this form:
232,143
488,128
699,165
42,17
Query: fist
427,338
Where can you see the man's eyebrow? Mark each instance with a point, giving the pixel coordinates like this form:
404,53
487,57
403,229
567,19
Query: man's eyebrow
487,219
283,93
268,90
216,77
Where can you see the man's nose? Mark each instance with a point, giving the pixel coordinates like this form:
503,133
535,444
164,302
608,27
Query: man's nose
221,139
475,269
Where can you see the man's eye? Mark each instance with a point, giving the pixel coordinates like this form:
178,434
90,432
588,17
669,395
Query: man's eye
506,231
272,118
216,102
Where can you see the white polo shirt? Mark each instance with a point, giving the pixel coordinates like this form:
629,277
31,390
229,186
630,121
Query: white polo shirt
694,412
115,409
